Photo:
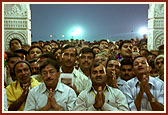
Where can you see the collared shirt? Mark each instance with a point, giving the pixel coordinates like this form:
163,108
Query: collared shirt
121,84
79,69
14,91
81,81
115,100
38,97
156,88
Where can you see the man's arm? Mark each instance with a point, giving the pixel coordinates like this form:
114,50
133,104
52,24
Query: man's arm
15,106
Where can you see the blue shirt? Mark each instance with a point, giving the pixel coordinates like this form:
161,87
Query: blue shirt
156,87
38,97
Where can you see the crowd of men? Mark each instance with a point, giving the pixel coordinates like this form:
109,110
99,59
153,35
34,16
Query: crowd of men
79,75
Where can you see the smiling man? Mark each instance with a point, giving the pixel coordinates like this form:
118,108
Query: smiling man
50,95
125,50
18,90
100,96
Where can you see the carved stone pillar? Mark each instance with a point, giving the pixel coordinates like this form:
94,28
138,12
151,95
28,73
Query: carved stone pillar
17,23
155,26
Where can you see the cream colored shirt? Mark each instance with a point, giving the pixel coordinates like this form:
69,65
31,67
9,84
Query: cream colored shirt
38,97
115,100
81,81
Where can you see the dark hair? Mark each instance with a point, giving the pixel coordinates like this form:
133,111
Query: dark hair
50,62
32,61
126,62
56,49
123,42
10,43
10,55
69,46
103,40
112,58
33,48
45,44
87,50
48,55
21,61
138,57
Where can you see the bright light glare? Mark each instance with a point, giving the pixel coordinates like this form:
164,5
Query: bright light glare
76,32
143,30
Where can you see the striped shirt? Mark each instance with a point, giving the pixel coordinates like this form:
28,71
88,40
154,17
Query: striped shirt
156,87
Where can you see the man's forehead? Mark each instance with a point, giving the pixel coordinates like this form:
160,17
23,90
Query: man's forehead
115,62
21,65
99,67
140,59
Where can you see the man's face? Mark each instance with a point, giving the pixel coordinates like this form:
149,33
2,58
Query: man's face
140,66
126,50
113,65
15,45
103,44
35,68
101,59
159,63
126,72
86,60
96,50
47,48
54,45
41,60
12,62
22,72
34,53
68,57
50,76
151,58
98,75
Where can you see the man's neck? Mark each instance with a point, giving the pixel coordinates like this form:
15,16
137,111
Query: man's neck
86,72
97,86
66,69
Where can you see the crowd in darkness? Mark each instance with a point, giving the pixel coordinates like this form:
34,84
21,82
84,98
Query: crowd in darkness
79,75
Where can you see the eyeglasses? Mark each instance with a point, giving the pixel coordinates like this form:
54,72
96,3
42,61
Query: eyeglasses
45,73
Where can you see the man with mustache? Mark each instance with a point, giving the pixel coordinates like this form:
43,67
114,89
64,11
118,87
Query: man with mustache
86,59
50,95
126,70
125,50
69,55
144,93
18,90
100,96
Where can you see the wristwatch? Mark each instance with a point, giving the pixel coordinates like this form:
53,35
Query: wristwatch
153,100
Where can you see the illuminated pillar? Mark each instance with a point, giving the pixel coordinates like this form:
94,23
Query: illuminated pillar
155,26
17,23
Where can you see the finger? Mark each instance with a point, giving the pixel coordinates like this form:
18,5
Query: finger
100,89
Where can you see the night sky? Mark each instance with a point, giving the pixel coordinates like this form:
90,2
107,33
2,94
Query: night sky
96,21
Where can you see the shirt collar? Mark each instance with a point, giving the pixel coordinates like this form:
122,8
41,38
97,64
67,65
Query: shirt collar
105,88
151,81
58,88
75,71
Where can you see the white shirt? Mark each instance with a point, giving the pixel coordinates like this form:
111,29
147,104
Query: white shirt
5,101
86,76
115,100
156,87
81,81
38,97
